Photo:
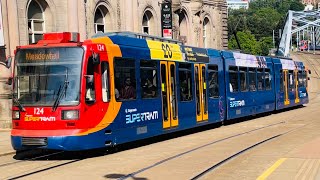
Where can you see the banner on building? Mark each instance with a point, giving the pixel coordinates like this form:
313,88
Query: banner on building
166,20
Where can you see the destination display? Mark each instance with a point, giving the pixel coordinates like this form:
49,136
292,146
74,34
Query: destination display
49,54
196,54
42,56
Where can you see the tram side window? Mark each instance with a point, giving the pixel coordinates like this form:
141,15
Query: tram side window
291,80
149,83
125,79
243,79
252,79
281,81
105,81
185,81
260,79
90,89
213,81
304,79
267,78
300,77
233,75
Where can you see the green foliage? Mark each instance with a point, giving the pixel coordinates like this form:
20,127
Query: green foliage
282,6
247,41
236,23
296,6
262,17
263,21
266,44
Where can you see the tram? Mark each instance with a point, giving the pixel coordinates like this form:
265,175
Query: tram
120,87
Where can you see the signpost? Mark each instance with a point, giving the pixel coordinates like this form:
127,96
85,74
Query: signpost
166,20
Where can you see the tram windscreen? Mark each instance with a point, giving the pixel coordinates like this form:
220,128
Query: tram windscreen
41,73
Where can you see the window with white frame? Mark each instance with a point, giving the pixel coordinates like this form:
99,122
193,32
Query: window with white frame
99,20
146,22
205,32
35,22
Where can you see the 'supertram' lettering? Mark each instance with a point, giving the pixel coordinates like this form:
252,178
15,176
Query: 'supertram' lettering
31,118
140,117
237,103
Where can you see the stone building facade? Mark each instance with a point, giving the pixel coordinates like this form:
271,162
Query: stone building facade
201,23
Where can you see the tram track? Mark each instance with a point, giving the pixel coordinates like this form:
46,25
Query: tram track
44,162
29,159
55,164
268,131
43,169
312,64
50,165
38,164
148,169
222,162
39,168
131,175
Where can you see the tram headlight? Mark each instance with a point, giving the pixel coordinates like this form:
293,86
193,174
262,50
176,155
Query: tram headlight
15,115
70,115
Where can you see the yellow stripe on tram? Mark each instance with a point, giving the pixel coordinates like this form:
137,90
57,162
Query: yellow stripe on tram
271,169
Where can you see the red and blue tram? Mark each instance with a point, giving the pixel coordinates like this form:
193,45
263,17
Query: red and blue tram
120,87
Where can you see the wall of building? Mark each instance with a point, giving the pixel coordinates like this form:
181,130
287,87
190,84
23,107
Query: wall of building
119,15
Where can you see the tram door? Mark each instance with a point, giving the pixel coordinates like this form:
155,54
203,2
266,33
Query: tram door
285,88
201,92
169,94
296,86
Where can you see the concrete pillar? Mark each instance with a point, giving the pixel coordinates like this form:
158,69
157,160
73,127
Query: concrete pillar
13,27
73,24
129,15
136,15
82,20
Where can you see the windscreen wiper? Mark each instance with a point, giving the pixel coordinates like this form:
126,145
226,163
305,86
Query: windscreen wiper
61,91
21,108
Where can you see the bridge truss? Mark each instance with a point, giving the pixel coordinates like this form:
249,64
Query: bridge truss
302,29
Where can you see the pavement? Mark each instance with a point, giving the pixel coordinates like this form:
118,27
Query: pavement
5,142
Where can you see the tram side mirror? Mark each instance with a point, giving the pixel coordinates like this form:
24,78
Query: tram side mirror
95,59
8,63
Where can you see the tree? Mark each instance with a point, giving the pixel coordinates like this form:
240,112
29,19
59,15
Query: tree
263,22
248,43
296,6
237,21
266,44
262,17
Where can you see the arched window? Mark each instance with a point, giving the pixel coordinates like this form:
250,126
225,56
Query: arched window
102,19
35,22
206,32
183,27
99,21
147,23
